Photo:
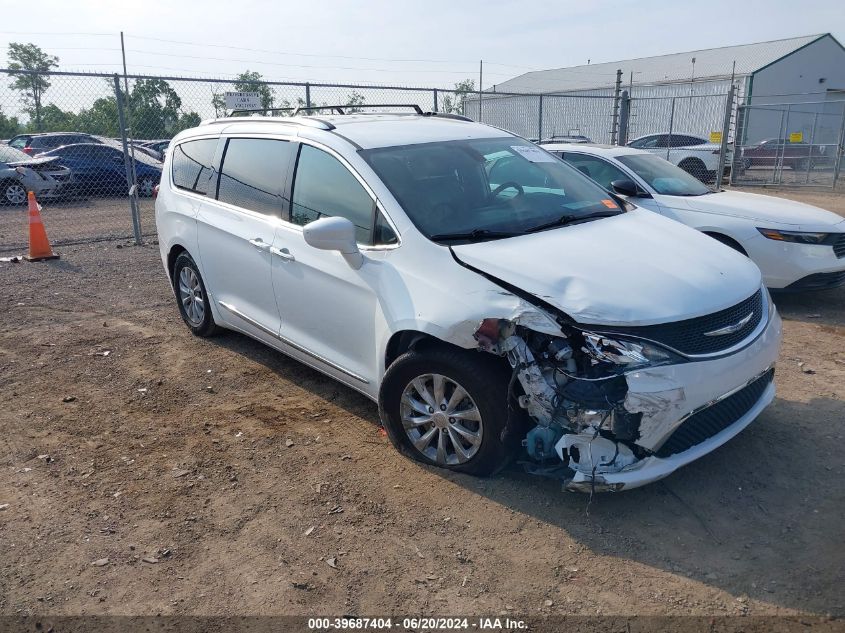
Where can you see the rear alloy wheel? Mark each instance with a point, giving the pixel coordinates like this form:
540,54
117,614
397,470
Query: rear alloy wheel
192,296
14,193
447,407
146,186
695,167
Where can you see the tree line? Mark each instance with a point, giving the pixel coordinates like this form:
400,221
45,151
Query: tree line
152,107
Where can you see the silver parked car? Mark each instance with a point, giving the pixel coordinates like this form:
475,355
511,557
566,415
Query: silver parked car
20,173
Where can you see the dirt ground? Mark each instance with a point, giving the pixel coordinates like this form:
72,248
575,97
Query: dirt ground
145,471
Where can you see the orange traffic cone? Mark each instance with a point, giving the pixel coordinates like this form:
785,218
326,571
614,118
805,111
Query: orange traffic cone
39,245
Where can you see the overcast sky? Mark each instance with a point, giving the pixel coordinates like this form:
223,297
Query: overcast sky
423,43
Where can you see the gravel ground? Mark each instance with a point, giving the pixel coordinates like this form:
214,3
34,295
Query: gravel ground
145,471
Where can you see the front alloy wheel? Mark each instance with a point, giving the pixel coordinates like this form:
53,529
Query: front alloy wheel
448,407
14,193
441,420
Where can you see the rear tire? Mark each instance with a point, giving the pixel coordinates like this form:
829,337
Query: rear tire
192,297
695,167
438,425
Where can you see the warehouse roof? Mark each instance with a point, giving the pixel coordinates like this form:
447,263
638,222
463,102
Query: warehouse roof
710,63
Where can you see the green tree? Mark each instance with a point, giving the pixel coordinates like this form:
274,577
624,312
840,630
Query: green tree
29,57
9,126
54,119
186,120
154,109
353,100
454,104
101,118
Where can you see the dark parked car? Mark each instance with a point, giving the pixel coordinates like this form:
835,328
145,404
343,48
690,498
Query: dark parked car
33,144
779,151
99,168
160,145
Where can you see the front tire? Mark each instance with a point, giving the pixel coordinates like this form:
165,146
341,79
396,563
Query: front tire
13,193
448,408
191,295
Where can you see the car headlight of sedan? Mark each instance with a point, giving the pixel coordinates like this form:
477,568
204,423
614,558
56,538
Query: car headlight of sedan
626,354
798,237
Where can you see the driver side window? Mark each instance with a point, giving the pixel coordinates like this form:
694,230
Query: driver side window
597,169
323,187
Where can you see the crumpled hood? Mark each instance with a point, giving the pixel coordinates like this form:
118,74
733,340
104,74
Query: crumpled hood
636,268
754,206
34,161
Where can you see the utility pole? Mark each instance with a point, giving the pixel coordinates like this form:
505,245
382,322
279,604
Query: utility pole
480,78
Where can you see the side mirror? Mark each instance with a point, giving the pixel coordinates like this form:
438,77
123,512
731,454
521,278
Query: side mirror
335,234
625,188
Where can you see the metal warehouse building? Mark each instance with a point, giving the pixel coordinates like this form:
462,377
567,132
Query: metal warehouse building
783,86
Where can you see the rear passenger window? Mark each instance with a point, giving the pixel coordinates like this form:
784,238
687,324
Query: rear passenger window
325,188
253,174
192,164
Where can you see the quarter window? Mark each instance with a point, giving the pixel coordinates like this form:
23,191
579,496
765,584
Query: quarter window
326,188
192,164
253,174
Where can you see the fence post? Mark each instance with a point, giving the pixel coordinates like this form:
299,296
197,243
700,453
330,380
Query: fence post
726,128
840,150
435,100
616,93
624,116
671,127
308,97
540,120
130,173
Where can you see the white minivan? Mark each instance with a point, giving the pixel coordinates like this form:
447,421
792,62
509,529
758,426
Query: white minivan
492,299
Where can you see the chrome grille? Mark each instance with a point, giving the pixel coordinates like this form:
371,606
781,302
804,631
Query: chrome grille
690,335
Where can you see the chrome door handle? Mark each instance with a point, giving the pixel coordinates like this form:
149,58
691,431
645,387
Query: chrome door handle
257,242
283,253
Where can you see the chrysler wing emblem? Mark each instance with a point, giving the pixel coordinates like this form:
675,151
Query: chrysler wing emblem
730,329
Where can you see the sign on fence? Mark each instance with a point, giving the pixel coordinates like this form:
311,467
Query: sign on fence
796,137
716,138
243,101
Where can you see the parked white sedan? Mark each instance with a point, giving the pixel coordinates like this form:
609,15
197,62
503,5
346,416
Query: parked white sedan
797,246
694,154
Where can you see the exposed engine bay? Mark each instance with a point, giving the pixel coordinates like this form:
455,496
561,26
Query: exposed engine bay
574,389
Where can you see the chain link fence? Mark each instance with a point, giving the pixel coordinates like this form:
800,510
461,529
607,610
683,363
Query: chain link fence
91,147
794,144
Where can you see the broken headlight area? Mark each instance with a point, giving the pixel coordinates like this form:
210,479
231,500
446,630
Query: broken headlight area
573,388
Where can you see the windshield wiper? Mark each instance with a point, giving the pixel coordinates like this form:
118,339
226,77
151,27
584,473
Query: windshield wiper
571,219
475,234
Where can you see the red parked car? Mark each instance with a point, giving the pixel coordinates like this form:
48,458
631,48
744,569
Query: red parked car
776,151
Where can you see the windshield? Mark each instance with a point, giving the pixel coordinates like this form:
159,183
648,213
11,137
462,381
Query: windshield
663,176
12,155
492,187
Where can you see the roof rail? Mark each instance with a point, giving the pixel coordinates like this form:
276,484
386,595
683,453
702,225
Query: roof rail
447,115
353,108
248,111
314,122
